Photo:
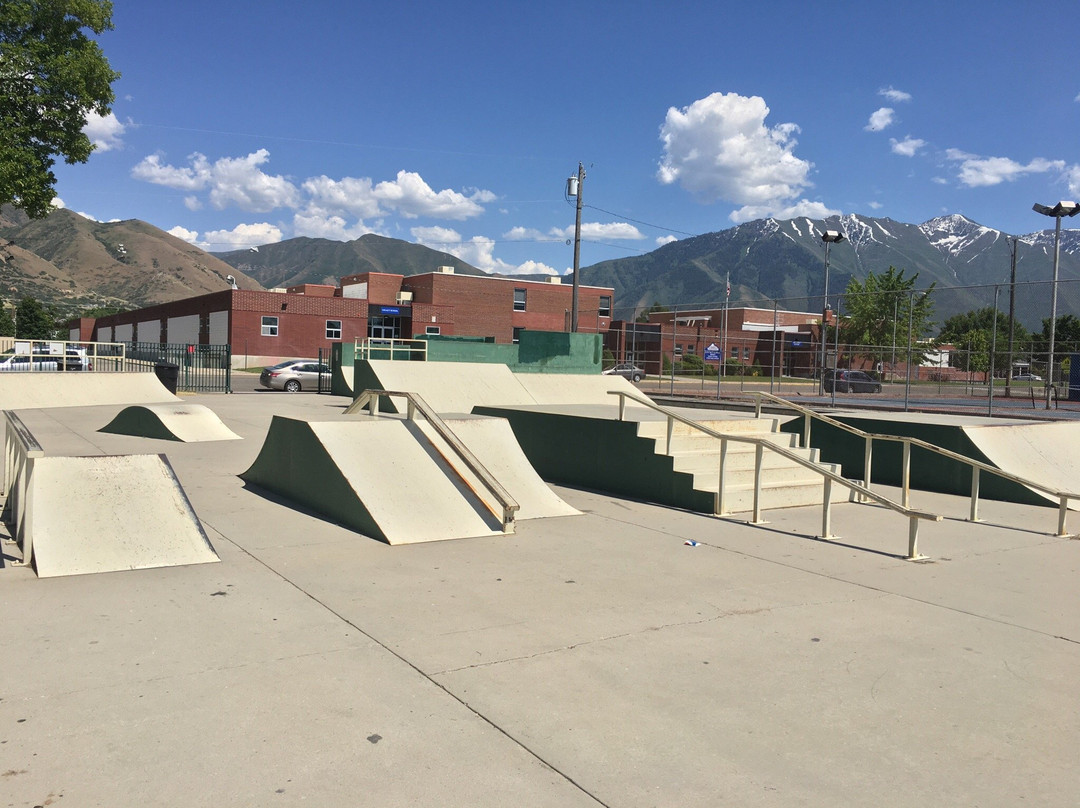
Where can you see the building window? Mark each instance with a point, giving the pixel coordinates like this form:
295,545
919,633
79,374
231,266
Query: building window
746,353
333,329
605,306
433,329
517,335
269,326
519,300
678,350
735,352
691,349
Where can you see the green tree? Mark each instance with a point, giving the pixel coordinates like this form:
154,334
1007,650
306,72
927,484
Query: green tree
973,331
1066,337
655,307
33,321
7,323
877,312
51,76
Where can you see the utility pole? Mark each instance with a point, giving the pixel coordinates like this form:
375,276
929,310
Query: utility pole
1012,318
574,187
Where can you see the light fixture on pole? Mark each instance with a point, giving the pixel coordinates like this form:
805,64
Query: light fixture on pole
829,237
574,187
1058,212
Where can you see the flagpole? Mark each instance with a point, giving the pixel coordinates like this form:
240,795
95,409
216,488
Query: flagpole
723,337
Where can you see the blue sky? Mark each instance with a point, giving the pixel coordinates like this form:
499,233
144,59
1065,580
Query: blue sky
456,125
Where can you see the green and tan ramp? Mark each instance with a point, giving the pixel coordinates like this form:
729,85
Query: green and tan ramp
188,423
386,478
25,391
110,513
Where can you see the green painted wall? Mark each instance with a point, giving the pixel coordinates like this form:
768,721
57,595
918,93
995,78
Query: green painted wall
602,455
929,471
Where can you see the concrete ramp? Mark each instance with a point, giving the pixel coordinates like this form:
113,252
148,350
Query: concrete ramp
104,514
380,477
446,386
24,391
188,423
493,443
574,388
1047,453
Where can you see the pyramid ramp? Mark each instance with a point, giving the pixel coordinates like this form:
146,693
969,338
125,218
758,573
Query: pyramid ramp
188,423
576,388
24,391
379,477
104,514
493,443
445,386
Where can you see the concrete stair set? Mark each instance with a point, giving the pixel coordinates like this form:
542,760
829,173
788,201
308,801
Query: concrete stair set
784,483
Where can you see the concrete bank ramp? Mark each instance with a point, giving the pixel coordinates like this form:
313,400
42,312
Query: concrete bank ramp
385,478
1047,453
188,423
459,387
104,514
24,391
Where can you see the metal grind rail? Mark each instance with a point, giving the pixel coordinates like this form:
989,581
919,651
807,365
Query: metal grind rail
21,449
760,445
977,467
370,399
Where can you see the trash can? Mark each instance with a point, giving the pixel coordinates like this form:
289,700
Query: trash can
168,374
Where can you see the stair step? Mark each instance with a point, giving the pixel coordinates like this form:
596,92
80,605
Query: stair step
737,460
777,475
658,429
738,499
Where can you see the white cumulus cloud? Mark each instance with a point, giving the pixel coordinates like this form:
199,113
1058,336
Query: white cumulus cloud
975,171
412,197
349,196
894,95
1072,178
804,207
241,237
190,236
237,181
597,230
662,240
104,131
720,148
880,119
330,226
908,147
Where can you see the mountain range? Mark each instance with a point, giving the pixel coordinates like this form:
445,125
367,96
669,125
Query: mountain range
76,263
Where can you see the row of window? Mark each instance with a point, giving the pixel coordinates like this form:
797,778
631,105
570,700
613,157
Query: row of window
270,327
603,308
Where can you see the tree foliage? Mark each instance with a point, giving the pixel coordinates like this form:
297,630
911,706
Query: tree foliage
879,309
33,320
972,333
7,323
51,76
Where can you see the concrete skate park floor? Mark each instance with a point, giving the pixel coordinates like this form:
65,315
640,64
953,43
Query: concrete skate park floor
583,661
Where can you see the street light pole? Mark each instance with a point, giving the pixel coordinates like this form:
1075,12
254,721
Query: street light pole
1058,212
829,237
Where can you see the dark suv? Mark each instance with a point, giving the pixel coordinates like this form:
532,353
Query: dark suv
850,381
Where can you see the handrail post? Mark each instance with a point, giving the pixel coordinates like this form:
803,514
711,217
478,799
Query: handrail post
974,494
826,510
806,431
410,410
622,406
720,485
757,405
868,463
905,473
670,432
1063,509
913,539
759,452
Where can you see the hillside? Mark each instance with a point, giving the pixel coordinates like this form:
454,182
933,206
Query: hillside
319,260
76,263
783,260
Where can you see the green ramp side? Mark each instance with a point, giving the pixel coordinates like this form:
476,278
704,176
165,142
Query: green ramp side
929,471
294,464
600,454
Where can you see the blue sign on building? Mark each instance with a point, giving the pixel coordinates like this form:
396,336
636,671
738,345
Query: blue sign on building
389,310
712,352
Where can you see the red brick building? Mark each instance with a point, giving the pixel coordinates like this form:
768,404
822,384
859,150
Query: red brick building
262,326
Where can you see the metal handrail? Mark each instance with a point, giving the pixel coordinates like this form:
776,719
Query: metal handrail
977,466
760,444
21,449
370,398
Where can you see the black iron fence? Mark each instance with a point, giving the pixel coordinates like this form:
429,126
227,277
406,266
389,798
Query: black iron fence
196,368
